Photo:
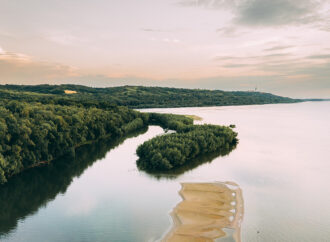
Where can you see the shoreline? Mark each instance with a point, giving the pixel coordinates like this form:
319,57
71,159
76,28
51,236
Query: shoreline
46,163
216,106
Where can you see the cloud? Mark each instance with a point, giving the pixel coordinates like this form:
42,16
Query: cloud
230,31
327,56
284,73
20,68
279,47
64,38
266,12
277,55
279,12
235,65
293,79
288,77
224,58
320,74
13,57
255,57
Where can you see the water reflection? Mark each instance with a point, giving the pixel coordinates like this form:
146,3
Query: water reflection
176,172
207,212
24,194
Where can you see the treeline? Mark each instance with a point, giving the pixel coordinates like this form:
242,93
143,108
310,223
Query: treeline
32,133
34,97
169,121
152,97
175,150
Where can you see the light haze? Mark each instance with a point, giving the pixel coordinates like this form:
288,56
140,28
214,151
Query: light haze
280,46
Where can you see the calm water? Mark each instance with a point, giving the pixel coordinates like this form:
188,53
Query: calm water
281,164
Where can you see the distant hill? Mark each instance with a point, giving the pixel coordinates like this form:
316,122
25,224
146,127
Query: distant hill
316,99
151,97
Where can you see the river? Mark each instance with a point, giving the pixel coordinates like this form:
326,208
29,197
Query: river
281,166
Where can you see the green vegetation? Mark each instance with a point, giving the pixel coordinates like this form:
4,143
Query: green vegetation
169,121
39,124
175,150
32,134
149,97
194,117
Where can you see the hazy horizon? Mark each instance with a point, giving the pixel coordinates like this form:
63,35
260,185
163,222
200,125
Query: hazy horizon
168,86
281,47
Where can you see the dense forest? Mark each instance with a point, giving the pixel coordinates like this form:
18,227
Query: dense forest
39,124
34,133
36,128
150,97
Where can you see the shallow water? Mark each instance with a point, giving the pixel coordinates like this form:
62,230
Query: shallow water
281,164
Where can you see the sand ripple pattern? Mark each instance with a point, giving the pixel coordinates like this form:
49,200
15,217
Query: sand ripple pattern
205,211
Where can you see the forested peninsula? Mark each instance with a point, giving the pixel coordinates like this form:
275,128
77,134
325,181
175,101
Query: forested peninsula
39,124
174,150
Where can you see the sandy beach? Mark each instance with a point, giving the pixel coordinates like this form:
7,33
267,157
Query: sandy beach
205,210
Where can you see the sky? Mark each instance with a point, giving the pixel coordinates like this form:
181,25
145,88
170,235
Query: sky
277,46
